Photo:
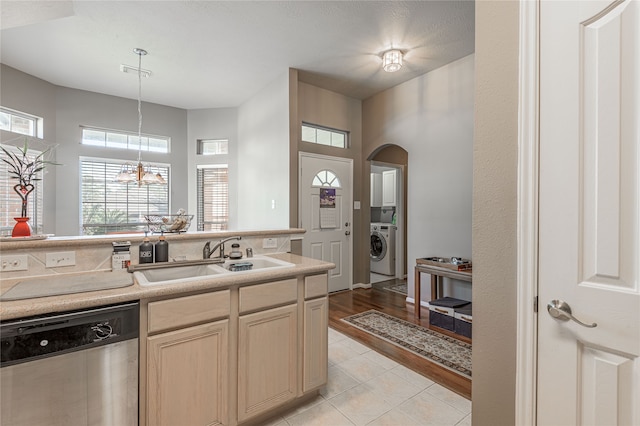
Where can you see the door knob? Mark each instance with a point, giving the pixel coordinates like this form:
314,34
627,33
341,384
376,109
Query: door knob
561,310
347,232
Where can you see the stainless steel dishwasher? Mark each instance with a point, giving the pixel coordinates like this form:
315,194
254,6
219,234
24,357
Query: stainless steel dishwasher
72,368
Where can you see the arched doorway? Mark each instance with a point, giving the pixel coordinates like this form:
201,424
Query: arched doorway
388,213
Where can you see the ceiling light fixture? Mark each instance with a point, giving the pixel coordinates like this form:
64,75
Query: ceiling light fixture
139,174
392,60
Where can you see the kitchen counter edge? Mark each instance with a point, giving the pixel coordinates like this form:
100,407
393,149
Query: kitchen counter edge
68,302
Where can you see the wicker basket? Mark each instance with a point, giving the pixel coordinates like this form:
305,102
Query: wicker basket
169,223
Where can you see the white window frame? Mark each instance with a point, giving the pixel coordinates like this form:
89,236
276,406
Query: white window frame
328,132
132,143
204,223
38,122
202,142
128,190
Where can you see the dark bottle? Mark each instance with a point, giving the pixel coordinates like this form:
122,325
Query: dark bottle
162,250
146,251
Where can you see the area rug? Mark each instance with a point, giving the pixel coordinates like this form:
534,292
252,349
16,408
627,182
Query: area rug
446,351
397,288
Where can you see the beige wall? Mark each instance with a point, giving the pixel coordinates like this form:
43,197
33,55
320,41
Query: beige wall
326,108
431,117
494,213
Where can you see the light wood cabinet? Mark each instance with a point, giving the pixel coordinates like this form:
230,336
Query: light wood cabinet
315,347
187,376
235,355
267,355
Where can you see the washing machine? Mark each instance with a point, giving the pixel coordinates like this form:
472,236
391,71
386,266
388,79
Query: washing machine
383,248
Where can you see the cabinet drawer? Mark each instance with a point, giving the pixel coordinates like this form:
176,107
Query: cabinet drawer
270,294
315,286
184,311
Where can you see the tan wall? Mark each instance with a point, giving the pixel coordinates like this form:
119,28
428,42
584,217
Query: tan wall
326,108
494,213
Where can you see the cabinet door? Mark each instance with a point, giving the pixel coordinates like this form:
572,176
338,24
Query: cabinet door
316,334
389,188
267,361
187,376
376,190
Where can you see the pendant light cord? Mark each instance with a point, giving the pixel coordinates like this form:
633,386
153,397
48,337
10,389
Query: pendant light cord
140,106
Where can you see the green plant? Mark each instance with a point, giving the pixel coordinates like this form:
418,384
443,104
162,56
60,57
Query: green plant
25,168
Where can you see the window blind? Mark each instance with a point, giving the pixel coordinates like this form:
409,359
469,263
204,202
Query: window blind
113,207
213,199
11,202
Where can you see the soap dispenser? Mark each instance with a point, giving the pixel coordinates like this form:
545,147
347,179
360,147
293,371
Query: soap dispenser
162,249
146,251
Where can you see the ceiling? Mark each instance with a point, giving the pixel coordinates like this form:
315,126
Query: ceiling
213,54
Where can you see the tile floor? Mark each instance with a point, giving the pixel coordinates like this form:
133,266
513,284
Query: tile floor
366,388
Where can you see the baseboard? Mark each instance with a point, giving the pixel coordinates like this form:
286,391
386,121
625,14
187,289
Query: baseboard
360,285
412,301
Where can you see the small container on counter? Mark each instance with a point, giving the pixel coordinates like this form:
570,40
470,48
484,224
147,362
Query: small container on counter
146,251
121,257
162,249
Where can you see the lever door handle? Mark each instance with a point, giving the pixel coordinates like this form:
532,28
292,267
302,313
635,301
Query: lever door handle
561,310
347,232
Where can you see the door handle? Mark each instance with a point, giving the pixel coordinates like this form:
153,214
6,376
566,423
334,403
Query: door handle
561,310
347,232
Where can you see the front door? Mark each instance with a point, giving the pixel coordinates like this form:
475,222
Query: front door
589,225
325,212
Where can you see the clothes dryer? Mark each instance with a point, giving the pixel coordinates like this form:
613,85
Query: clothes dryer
383,248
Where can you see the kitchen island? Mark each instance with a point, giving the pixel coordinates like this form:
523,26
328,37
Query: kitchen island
234,348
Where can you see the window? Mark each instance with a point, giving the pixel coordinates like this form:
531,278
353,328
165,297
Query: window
11,202
326,178
213,198
213,146
324,136
112,207
123,140
18,122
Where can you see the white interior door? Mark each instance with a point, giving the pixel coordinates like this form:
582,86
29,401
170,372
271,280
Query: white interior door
328,235
589,213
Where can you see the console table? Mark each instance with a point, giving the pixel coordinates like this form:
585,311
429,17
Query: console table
437,273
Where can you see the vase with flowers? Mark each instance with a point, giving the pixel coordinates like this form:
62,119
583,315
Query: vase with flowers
26,169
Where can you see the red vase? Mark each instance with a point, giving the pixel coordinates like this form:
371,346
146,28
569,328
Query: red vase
22,228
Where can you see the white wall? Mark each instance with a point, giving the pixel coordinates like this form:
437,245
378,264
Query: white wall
263,158
214,123
431,117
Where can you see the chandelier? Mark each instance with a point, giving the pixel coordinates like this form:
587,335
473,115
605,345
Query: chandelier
140,174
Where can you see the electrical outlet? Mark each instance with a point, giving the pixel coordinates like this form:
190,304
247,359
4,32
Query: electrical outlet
270,243
16,262
61,258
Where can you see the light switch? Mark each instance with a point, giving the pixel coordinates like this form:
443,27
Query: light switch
60,258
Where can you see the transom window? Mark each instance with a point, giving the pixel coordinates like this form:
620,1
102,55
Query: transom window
324,135
124,140
326,178
18,122
112,207
213,197
213,146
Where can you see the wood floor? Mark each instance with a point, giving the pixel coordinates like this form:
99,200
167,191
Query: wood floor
348,303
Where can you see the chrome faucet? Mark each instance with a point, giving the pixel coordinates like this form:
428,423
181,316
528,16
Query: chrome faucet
207,251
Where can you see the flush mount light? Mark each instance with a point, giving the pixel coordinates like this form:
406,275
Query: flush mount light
392,60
